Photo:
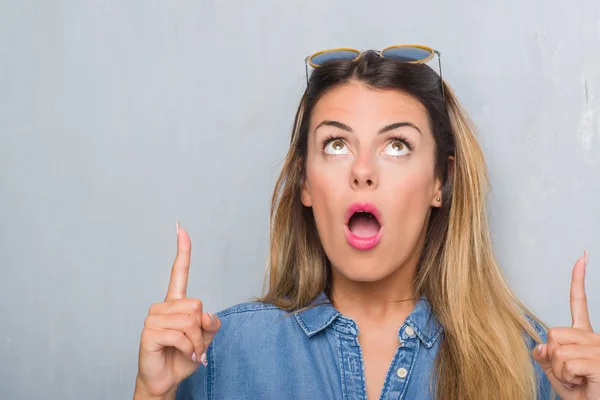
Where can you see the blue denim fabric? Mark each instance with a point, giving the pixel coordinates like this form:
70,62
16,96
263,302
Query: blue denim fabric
262,352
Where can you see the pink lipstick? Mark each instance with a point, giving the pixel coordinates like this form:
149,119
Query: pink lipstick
364,226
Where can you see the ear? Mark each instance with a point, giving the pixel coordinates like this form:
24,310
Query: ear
437,193
305,191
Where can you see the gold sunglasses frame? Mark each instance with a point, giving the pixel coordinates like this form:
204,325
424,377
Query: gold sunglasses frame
432,52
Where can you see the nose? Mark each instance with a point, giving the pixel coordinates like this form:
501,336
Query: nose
364,174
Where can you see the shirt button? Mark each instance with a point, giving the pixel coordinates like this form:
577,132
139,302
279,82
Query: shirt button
402,372
410,331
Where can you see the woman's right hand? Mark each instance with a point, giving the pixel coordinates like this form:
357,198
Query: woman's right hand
176,334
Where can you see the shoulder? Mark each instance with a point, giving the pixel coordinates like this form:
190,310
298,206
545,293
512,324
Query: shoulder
248,330
249,317
251,326
247,310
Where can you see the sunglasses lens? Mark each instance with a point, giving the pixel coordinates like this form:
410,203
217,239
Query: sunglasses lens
323,58
406,53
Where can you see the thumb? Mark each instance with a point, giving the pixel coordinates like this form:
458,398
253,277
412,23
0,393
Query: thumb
540,355
210,326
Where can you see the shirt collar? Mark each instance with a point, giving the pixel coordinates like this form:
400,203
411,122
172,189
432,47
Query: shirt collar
321,313
318,316
424,322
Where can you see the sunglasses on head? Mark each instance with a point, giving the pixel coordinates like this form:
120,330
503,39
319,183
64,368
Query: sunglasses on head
408,53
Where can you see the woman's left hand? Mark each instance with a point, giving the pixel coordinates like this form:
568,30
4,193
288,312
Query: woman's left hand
571,358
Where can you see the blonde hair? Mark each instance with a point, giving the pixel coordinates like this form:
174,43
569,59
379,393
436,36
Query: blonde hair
483,354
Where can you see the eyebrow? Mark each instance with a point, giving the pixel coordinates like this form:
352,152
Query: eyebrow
385,129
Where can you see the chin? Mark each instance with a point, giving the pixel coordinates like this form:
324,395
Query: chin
367,272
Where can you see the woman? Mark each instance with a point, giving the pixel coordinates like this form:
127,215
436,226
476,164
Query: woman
382,282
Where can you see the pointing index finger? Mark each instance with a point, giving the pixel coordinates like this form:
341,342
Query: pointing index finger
579,307
181,266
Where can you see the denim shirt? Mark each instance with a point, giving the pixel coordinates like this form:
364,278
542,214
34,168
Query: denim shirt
262,352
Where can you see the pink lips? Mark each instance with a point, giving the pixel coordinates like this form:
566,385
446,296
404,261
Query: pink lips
360,242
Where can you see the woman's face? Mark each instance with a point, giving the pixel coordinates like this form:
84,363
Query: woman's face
370,179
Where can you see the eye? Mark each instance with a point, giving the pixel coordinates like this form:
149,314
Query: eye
397,148
336,147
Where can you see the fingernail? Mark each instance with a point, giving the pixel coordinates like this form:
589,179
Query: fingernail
585,257
203,359
539,348
568,386
212,318
177,228
194,358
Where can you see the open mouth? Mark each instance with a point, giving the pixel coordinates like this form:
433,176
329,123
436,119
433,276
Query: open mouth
364,224
364,227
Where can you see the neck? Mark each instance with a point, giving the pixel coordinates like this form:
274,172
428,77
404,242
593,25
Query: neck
391,298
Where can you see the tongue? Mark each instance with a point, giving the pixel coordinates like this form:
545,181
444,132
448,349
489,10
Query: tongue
363,226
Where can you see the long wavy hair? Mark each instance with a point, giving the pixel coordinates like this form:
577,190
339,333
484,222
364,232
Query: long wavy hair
483,354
